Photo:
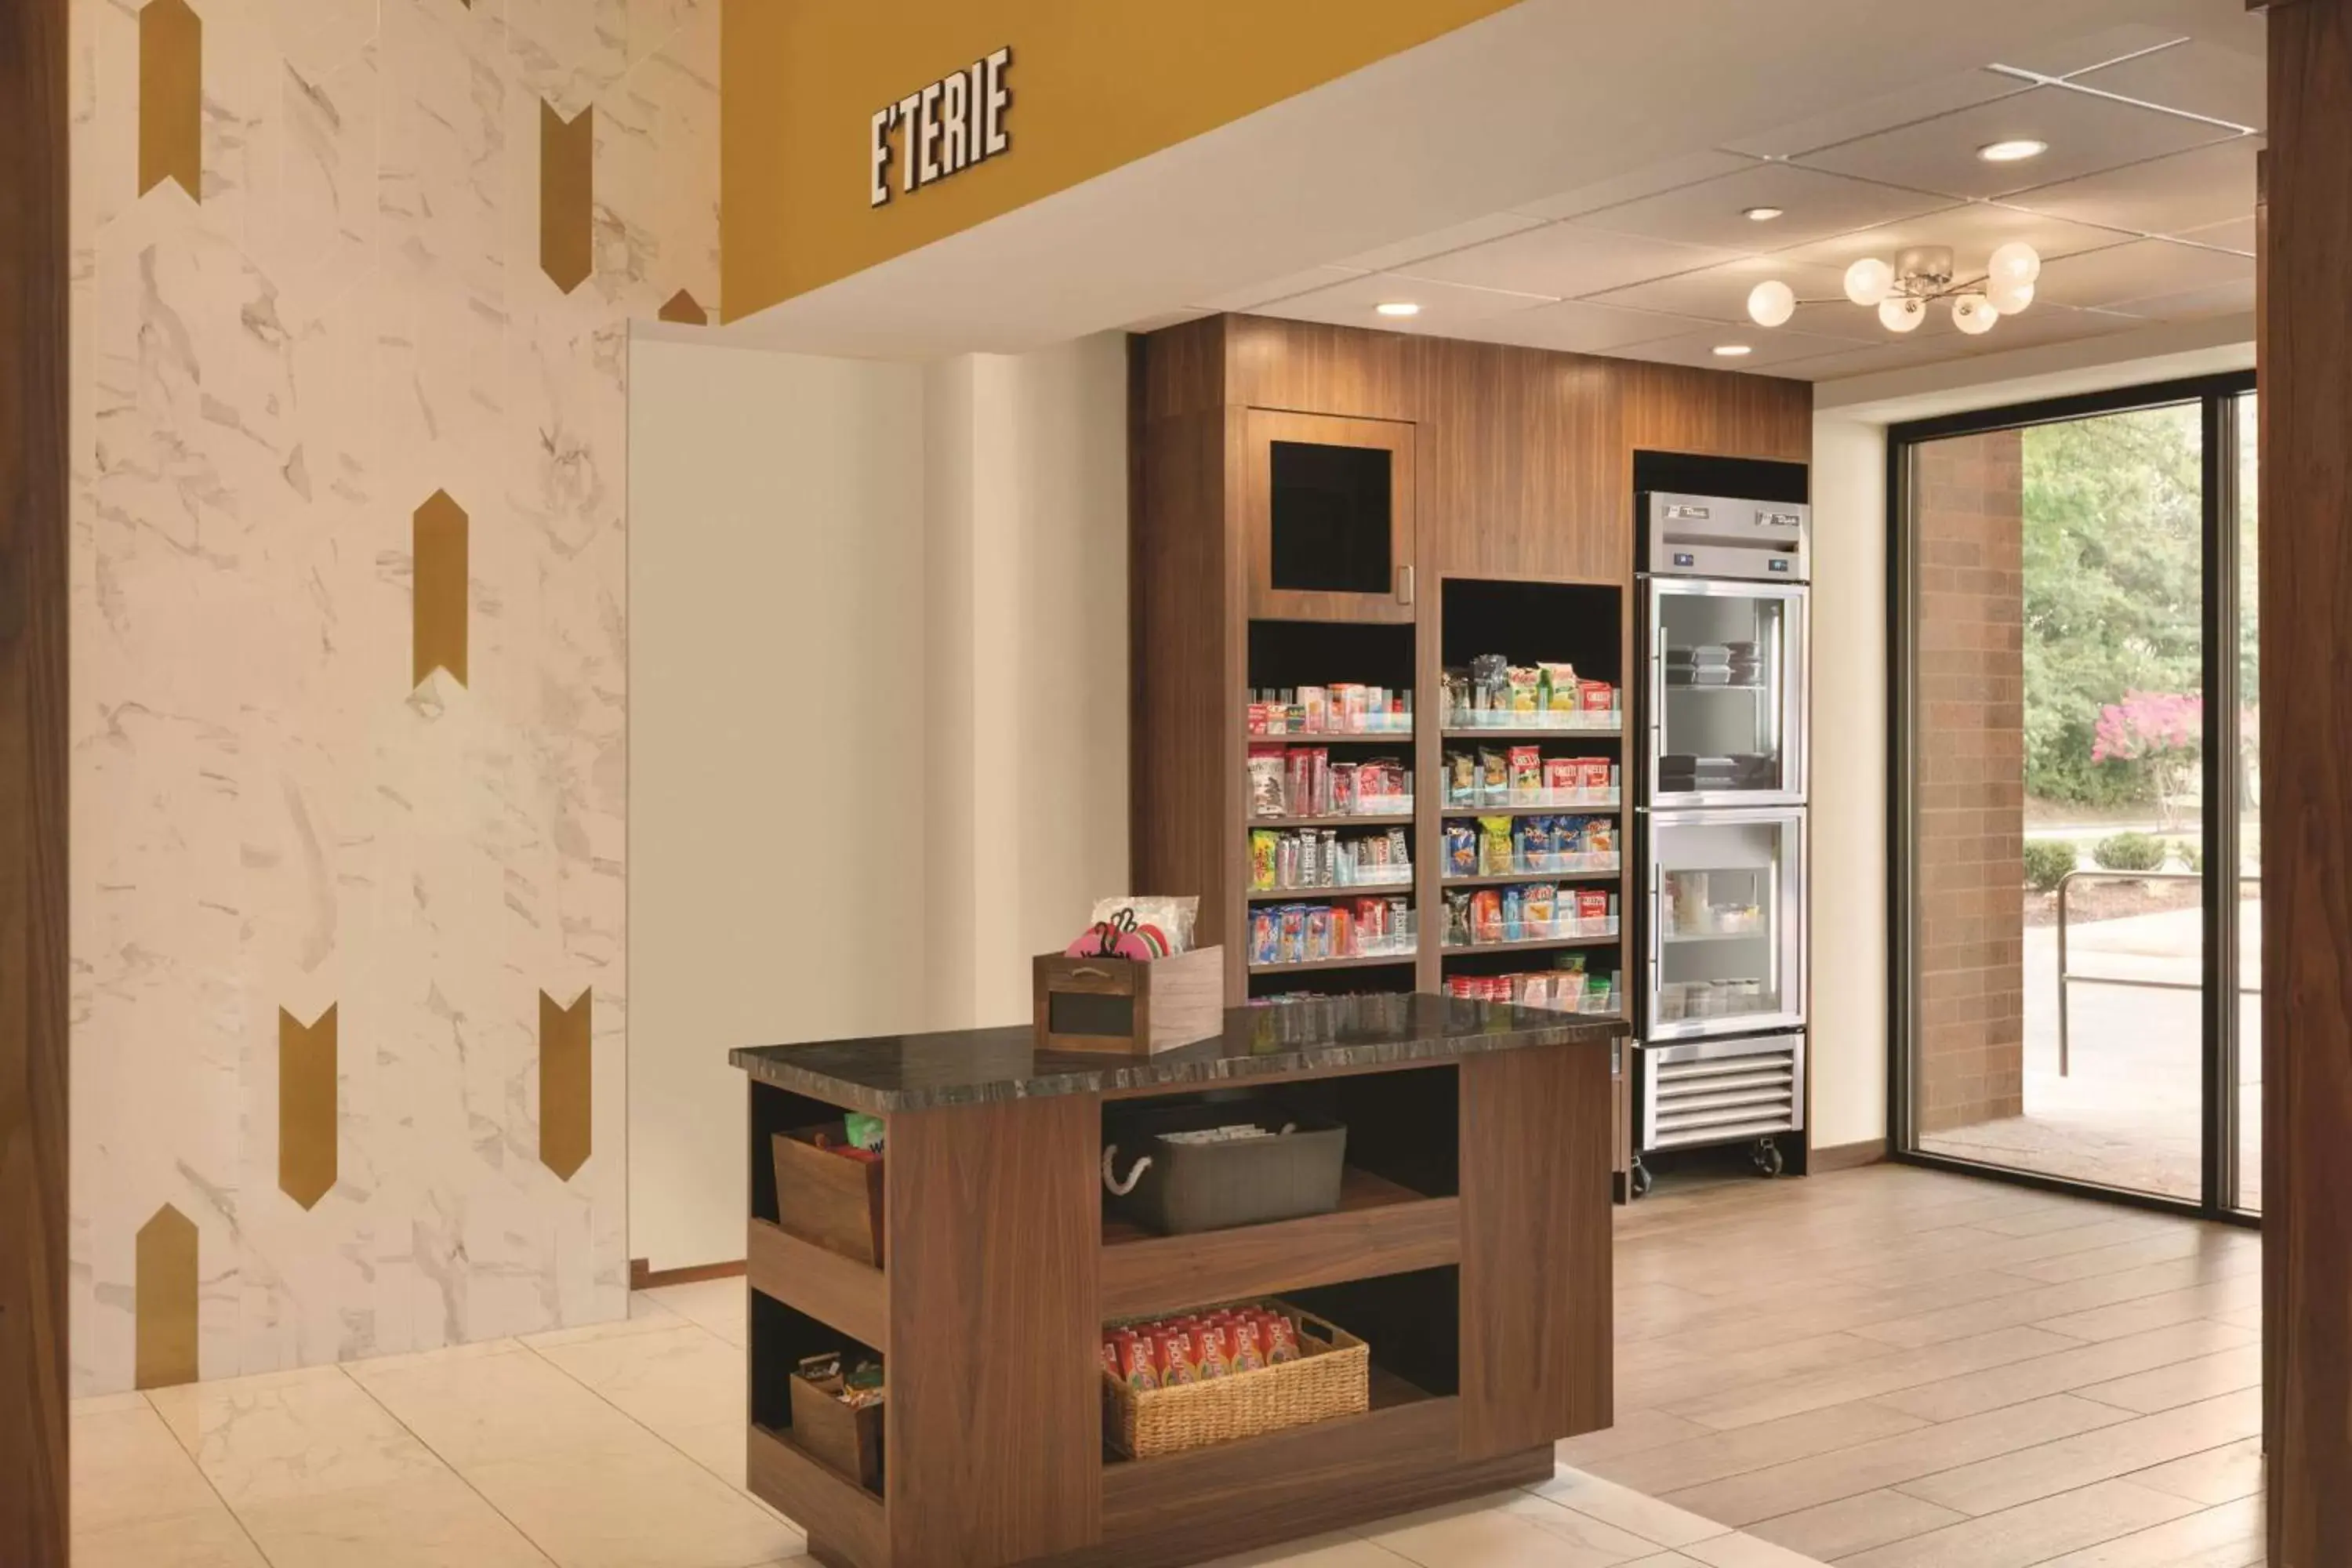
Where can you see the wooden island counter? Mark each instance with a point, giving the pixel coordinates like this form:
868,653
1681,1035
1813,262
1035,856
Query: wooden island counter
1471,1251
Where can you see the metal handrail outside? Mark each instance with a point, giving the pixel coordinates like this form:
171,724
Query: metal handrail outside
2066,976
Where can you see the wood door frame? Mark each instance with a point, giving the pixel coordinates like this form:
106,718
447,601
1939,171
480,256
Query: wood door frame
33,781
1262,429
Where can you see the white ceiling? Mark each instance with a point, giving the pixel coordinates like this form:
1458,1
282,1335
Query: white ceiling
2142,210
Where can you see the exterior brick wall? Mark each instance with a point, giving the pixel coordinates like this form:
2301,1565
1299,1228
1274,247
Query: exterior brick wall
1971,750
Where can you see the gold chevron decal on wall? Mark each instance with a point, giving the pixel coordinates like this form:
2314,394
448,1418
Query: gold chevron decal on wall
166,1292
437,628
564,1099
307,1125
685,309
171,97
567,178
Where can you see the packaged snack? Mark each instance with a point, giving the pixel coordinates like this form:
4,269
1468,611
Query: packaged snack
1282,1338
1267,785
1460,778
1527,774
1399,849
1173,918
1351,715
1458,918
1264,853
1297,783
1560,775
1343,934
1327,862
1486,916
1310,860
1529,838
1558,689
1594,775
1493,777
1290,938
1209,1359
1514,914
1598,696
1523,681
1249,1355
1461,847
1344,794
1319,932
1599,835
1494,849
1111,1355
1319,776
1399,918
1135,1363
1312,703
1261,943
1540,909
1591,904
1171,1358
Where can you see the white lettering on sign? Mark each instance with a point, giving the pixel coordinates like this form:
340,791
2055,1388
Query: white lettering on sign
941,128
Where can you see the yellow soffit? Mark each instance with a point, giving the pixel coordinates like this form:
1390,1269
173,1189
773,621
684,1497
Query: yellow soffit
1089,86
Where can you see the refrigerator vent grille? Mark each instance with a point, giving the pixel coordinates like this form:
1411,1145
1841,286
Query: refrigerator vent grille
1726,1099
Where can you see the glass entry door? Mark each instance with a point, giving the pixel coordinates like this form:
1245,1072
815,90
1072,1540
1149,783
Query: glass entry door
1725,917
1726,679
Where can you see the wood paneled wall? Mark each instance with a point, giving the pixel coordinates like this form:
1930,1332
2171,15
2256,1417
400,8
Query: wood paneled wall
1523,469
2305,361
32,1524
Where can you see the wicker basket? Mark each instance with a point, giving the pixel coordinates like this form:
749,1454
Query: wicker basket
1330,1378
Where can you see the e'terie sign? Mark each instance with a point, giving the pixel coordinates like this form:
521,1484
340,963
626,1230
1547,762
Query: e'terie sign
942,128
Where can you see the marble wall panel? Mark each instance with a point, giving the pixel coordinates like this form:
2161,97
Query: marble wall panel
270,812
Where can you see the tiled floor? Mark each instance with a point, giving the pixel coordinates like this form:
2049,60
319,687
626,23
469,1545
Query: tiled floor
1888,1368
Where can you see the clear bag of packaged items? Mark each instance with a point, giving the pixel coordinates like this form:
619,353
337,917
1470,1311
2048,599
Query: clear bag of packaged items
1327,857
1534,845
1316,933
1534,912
1491,692
1302,781
1568,987
1524,776
1344,709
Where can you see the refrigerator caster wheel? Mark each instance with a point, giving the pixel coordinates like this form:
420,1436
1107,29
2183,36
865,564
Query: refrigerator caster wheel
1769,1161
1642,1180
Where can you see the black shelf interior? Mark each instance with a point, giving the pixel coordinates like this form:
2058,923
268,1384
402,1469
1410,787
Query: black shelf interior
1412,1321
1530,623
1750,478
1324,653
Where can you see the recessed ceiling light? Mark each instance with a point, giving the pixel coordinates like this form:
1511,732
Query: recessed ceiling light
1397,308
1732,351
1761,215
2014,151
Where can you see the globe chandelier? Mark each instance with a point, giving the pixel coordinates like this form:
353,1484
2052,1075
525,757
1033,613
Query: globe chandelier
1922,275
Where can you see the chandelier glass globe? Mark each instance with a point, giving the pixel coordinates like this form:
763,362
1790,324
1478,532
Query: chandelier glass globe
2009,298
1974,314
1771,303
2016,262
1869,281
1901,313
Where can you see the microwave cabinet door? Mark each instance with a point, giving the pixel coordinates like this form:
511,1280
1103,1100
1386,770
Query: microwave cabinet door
1728,679
1726,908
1329,518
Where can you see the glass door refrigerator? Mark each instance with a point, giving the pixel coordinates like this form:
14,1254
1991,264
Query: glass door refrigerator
1720,828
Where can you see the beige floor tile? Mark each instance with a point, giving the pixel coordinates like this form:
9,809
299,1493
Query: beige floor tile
1741,1500
1720,1454
290,1435
206,1540
2183,1382
1749,1551
107,1404
1666,1560
2033,1533
2215,1476
645,1316
2247,1317
1637,1431
2052,1305
2165,1244
128,1469
652,1508
511,1406
440,1357
2229,1536
2065,1371
1337,1550
1885,1373
681,1377
721,1447
1629,1511
1508,1530
1854,1524
2241,1294
2010,1480
433,1521
710,1303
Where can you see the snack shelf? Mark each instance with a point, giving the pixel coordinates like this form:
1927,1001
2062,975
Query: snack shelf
1607,804
1356,961
1401,819
821,1497
1513,878
1328,737
1379,1228
1403,1417
1518,728
1327,889
1561,800
1532,943
837,1292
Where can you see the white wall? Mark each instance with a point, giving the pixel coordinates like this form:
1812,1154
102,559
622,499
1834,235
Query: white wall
1849,782
880,700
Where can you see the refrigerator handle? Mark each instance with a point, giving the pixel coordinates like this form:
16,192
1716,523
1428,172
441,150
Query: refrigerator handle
1657,931
1657,689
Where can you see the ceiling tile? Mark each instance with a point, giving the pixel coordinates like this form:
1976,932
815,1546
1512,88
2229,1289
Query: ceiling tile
2163,196
1720,294
1493,225
1973,231
2043,324
1265,293
1626,187
1766,349
1814,206
2234,299
2237,234
1897,354
2141,270
1926,99
1579,326
1445,307
2086,135
2197,77
2087,50
1566,260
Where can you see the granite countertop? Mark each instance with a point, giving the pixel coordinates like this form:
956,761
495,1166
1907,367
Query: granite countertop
969,1067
